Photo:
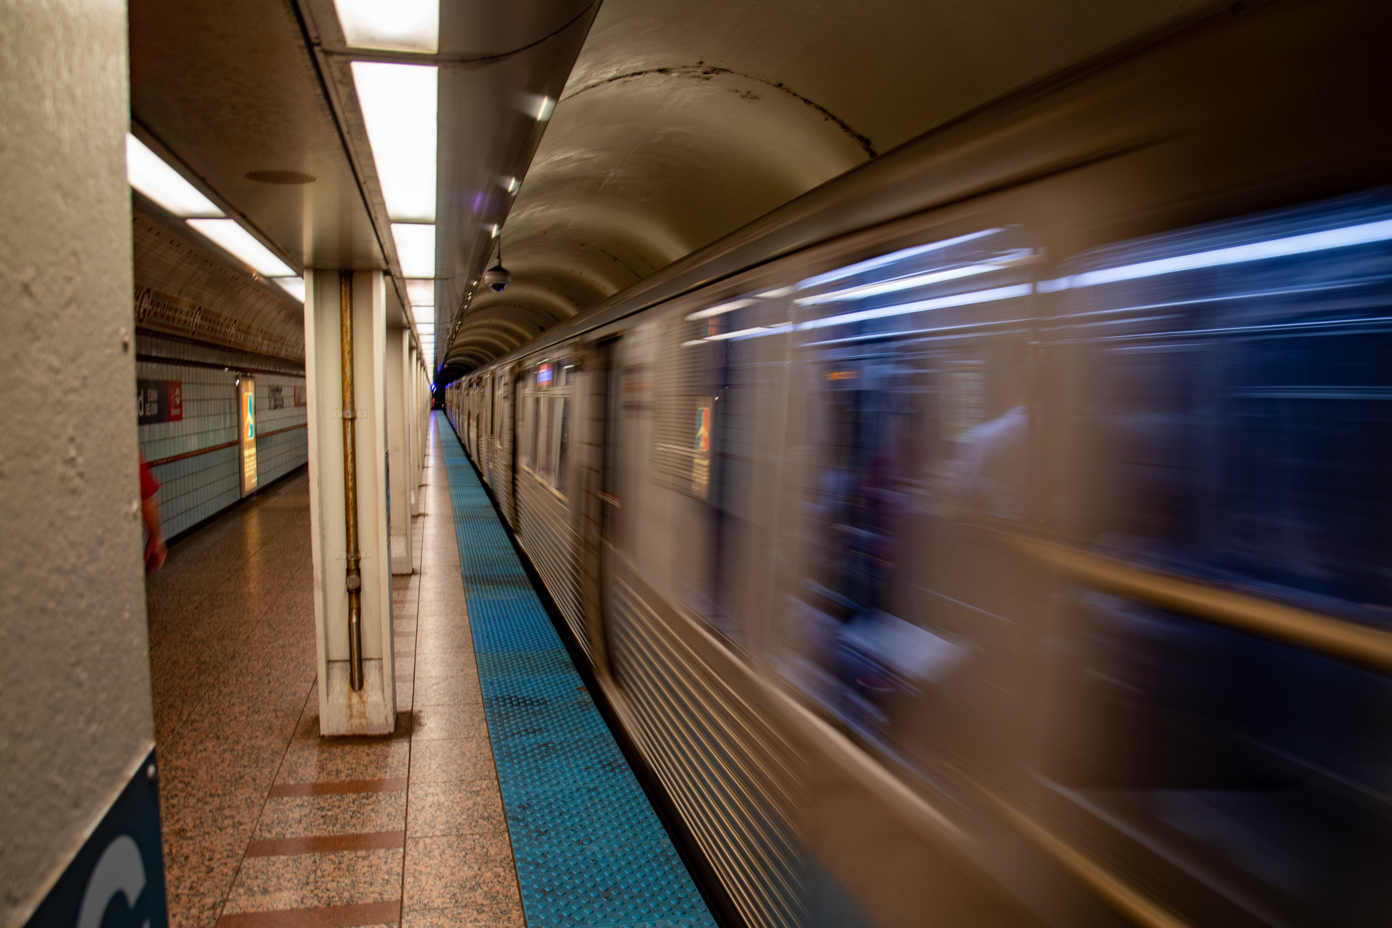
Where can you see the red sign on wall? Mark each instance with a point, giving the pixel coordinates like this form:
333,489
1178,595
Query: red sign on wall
176,401
159,401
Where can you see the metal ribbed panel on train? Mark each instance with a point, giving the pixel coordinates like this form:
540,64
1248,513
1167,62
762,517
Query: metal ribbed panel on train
551,543
735,780
679,382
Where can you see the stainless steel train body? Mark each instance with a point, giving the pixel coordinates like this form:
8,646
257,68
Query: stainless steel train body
1000,534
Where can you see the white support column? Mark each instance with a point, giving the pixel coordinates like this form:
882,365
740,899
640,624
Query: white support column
400,454
342,710
413,384
422,423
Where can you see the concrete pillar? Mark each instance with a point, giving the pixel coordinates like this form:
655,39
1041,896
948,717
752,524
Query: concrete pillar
400,454
413,384
342,710
75,665
422,424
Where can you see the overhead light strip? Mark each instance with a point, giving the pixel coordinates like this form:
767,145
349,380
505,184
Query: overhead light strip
154,177
420,292
295,286
400,107
148,173
415,248
401,25
231,236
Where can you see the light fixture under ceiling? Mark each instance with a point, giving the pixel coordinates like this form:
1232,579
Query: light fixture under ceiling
401,25
295,286
420,292
415,248
232,237
149,174
400,104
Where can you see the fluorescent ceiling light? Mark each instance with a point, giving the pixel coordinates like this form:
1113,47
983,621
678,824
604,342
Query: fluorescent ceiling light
415,247
401,25
240,242
420,292
149,174
400,108
512,184
1365,234
496,229
424,315
294,286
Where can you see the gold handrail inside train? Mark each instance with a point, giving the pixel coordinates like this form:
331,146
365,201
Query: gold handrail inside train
1311,630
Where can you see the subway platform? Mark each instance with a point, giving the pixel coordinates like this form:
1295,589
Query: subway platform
502,799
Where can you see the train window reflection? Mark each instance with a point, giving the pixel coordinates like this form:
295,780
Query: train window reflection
1229,417
915,369
1215,404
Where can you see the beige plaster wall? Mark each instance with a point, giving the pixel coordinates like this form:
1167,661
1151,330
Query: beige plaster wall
74,660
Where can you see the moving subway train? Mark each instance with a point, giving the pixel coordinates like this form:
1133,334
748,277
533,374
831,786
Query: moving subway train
1001,533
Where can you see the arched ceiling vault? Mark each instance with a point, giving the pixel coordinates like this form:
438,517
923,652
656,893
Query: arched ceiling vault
683,121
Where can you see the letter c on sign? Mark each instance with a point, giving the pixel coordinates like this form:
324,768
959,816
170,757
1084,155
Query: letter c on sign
119,870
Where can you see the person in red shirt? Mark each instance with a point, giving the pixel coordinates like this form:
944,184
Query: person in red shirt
155,550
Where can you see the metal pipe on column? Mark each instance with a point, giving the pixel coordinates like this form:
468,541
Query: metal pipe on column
353,580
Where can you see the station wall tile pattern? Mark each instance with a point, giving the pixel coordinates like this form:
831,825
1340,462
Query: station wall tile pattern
195,488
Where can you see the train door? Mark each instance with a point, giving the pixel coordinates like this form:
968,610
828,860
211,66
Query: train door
605,397
515,432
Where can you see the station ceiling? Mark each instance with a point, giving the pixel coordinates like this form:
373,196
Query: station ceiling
676,123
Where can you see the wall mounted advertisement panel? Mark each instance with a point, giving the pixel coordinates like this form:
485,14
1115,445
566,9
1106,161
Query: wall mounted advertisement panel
246,420
159,401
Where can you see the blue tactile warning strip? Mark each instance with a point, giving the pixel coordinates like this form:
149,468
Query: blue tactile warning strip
590,849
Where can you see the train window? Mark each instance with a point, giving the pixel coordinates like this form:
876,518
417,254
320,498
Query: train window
534,443
1228,418
910,433
546,447
562,469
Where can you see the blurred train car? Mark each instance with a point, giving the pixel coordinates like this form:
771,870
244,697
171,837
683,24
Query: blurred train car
1001,533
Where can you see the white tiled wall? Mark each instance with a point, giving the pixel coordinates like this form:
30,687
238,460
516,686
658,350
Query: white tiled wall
197,487
278,454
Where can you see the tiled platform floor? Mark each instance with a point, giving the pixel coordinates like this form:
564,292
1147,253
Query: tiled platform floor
265,824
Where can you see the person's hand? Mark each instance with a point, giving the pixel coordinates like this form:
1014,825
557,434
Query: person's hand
155,553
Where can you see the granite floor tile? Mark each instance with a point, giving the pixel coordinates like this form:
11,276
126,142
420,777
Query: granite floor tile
495,914
451,638
460,721
433,655
453,762
469,872
303,880
352,813
460,687
345,760
456,809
